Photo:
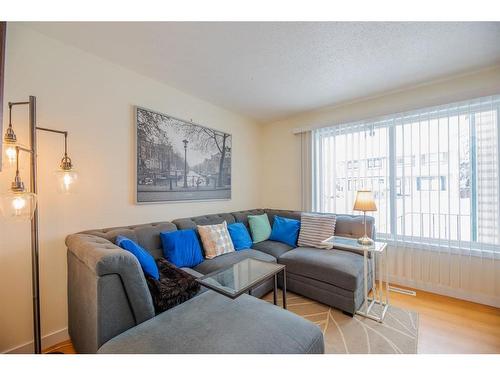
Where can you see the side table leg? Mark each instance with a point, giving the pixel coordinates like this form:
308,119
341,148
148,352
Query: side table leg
365,266
275,290
284,288
374,284
386,261
380,281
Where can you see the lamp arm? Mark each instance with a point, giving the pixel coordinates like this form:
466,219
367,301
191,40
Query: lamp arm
63,132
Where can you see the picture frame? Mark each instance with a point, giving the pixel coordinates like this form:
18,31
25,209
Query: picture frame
179,160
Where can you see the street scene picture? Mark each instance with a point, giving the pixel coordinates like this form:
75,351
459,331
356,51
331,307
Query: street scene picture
178,160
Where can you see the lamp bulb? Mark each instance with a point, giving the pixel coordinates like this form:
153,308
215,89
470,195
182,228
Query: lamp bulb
10,152
18,204
67,180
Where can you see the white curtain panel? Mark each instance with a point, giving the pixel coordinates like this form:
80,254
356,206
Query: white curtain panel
436,181
306,170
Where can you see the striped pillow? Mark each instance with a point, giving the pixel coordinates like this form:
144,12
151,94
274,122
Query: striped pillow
315,228
216,239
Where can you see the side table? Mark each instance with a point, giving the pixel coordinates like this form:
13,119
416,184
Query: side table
379,296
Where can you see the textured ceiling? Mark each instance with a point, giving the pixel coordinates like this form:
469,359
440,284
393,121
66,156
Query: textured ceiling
273,70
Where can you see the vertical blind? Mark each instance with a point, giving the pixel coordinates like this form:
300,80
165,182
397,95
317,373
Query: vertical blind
434,173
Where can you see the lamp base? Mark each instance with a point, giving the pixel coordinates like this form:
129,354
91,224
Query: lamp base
365,241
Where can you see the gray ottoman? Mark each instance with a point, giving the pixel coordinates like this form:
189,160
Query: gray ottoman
211,323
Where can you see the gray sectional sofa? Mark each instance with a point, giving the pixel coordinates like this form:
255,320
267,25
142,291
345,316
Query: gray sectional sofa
111,311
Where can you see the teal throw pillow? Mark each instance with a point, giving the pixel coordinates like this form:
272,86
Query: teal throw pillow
259,227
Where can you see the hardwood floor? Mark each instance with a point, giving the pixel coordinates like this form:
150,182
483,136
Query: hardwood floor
450,325
447,325
64,347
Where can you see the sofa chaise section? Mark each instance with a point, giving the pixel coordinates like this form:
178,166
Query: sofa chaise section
214,324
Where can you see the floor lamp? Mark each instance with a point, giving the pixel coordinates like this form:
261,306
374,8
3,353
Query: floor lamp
21,204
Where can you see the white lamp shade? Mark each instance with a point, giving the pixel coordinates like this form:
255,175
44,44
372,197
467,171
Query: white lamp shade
364,201
18,206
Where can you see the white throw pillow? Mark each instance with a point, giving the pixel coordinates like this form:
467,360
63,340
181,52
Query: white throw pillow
315,228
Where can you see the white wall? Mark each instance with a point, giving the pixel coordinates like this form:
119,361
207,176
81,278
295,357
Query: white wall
436,272
92,99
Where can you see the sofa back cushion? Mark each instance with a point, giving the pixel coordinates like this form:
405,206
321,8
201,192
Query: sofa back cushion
193,222
352,226
146,235
242,216
271,213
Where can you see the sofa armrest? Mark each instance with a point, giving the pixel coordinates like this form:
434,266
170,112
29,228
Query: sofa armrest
102,257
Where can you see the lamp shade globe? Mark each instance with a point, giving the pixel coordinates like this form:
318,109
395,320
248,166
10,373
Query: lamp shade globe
66,180
19,206
10,154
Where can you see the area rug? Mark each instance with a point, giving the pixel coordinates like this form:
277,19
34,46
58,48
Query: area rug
397,334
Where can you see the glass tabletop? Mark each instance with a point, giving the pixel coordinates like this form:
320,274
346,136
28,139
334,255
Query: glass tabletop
240,277
348,243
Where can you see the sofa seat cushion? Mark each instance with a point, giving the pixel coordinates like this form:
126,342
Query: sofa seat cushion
226,260
343,269
274,248
211,323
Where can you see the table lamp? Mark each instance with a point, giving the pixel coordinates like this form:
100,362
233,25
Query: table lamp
364,202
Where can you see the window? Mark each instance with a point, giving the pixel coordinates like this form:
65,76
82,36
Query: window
434,172
406,160
353,164
403,189
374,163
431,183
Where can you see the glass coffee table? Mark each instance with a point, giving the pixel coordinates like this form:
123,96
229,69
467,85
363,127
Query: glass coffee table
240,278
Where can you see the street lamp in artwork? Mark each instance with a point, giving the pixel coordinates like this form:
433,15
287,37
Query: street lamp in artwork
185,141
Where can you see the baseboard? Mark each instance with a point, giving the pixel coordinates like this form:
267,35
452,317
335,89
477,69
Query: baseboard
47,341
447,291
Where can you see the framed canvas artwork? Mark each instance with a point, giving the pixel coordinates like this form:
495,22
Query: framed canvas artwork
178,160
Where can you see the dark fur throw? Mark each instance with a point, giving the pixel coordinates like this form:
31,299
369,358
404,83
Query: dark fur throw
174,287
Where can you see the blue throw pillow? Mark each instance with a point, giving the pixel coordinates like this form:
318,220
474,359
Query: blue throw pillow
240,236
145,259
182,248
285,230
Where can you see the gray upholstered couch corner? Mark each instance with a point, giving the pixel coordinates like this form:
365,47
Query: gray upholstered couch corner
107,292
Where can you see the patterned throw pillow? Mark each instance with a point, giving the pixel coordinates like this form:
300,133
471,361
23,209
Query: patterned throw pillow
315,228
216,239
